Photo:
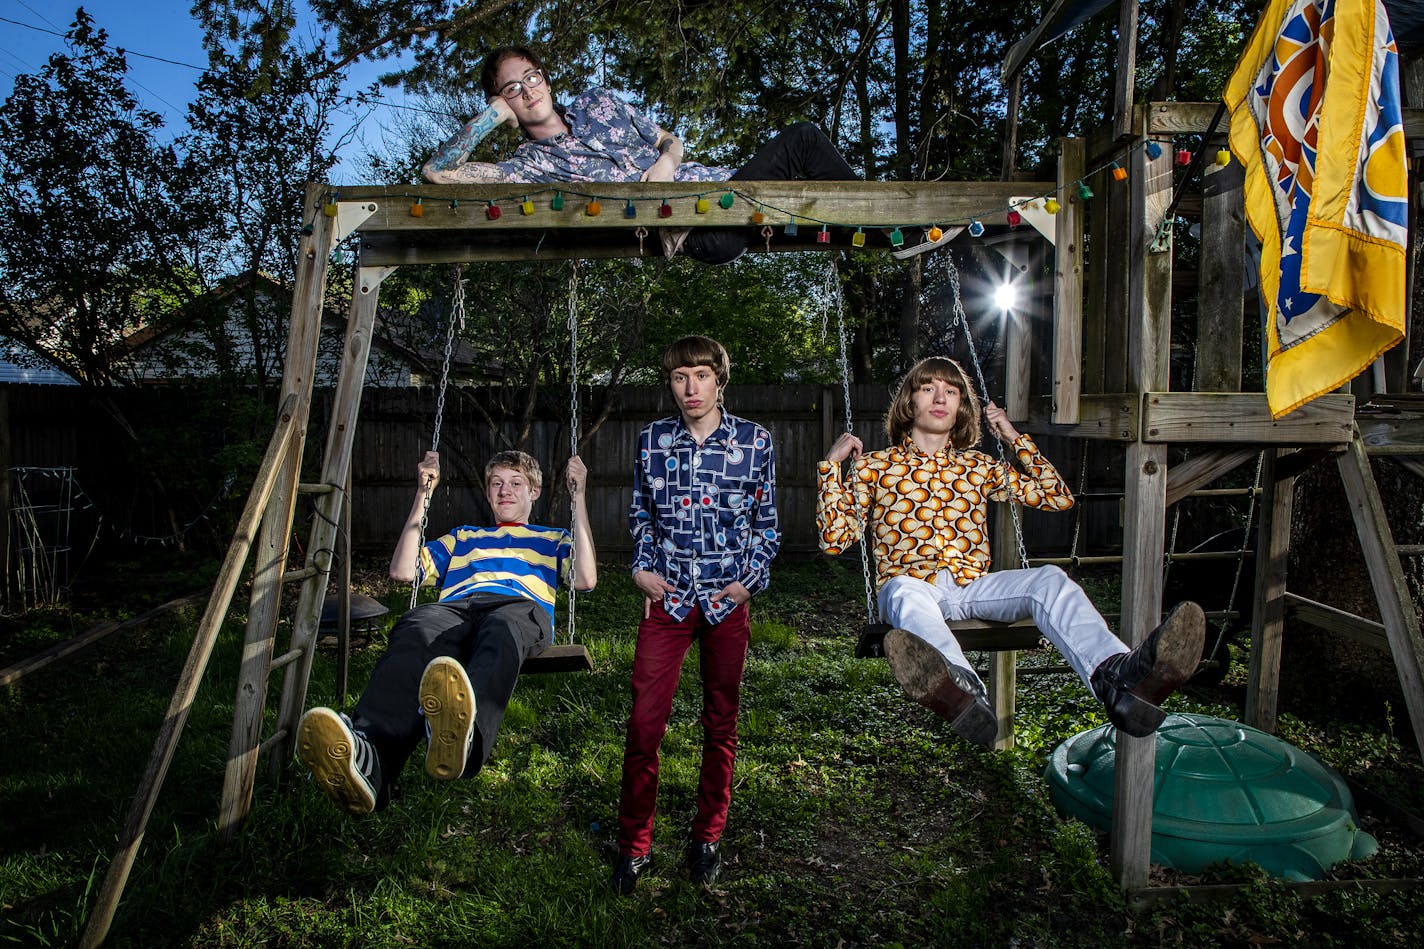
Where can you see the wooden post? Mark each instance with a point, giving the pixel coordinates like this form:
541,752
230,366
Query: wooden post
343,615
303,335
1003,666
1068,287
102,915
1401,623
1221,280
5,463
1144,502
1126,79
336,469
1269,609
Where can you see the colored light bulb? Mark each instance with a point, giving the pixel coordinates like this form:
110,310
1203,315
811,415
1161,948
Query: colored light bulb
593,209
1184,157
897,238
976,228
493,211
726,200
1154,150
557,202
417,209
823,236
526,207
629,210
858,238
1223,157
790,230
1084,192
758,216
665,210
1014,218
330,208
702,206
1119,173
934,233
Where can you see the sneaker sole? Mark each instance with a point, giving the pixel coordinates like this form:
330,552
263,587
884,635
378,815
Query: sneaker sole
448,701
927,678
1179,650
324,746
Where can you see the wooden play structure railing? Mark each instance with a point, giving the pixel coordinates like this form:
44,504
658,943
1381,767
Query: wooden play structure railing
1107,348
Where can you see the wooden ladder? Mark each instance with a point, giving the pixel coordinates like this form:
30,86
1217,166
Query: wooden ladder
1399,632
265,527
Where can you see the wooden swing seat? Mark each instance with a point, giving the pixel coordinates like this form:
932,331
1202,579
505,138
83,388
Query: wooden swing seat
562,657
974,635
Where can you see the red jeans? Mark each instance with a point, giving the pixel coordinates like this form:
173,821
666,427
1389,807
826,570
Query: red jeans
657,663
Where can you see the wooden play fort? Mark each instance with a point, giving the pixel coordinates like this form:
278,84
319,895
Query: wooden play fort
1107,344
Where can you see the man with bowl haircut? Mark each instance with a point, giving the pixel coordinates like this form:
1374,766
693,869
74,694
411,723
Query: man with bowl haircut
926,497
704,527
450,666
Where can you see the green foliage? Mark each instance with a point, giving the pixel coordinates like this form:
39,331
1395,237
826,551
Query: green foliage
857,818
93,239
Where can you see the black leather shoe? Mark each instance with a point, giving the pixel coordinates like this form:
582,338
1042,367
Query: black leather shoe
1132,684
704,861
953,694
627,871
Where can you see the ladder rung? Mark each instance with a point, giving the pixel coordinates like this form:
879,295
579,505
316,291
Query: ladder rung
285,659
310,488
299,574
1409,550
267,745
1385,451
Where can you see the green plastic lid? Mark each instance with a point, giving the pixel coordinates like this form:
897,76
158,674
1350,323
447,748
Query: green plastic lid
1223,792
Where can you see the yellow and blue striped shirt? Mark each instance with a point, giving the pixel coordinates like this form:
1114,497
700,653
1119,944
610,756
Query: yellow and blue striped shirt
510,559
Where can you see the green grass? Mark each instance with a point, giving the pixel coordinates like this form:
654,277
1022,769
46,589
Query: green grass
857,818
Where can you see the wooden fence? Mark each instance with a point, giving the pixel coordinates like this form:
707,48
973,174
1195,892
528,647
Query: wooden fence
48,426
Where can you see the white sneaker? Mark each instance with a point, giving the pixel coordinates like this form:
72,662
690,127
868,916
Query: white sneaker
448,702
949,234
340,758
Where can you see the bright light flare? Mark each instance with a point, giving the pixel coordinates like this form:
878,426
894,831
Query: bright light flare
1005,297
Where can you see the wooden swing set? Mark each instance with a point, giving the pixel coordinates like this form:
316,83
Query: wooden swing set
1108,364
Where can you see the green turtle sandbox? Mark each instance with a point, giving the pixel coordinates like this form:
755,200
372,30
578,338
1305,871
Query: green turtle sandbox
1223,792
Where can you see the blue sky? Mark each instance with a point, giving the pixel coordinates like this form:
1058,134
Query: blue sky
164,46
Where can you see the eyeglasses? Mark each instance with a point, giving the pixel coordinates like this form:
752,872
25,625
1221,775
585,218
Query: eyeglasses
532,80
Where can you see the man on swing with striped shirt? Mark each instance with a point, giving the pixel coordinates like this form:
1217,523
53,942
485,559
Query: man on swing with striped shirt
927,495
450,667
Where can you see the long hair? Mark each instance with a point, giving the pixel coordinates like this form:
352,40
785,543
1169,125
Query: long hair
697,351
499,55
901,417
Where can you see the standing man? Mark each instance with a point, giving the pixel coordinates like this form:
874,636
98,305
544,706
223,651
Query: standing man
704,528
926,496
599,136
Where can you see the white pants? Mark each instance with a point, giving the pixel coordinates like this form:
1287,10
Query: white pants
1047,595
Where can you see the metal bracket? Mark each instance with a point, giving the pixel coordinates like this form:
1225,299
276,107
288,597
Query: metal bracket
1163,241
1037,216
350,215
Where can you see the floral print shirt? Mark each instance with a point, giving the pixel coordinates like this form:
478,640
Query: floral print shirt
608,140
930,510
704,515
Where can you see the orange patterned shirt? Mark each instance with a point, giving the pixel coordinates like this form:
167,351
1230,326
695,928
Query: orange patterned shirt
930,510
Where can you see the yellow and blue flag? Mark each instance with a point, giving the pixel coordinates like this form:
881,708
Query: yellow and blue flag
1315,121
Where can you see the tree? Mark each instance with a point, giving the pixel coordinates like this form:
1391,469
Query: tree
93,236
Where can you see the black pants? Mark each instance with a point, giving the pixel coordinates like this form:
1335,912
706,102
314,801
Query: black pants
490,635
801,153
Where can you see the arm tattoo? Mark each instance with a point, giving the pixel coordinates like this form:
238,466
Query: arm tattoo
477,171
457,148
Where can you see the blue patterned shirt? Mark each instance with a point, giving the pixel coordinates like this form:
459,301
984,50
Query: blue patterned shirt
509,559
704,515
608,140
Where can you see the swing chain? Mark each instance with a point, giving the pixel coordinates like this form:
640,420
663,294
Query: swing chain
831,296
961,321
574,438
455,323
